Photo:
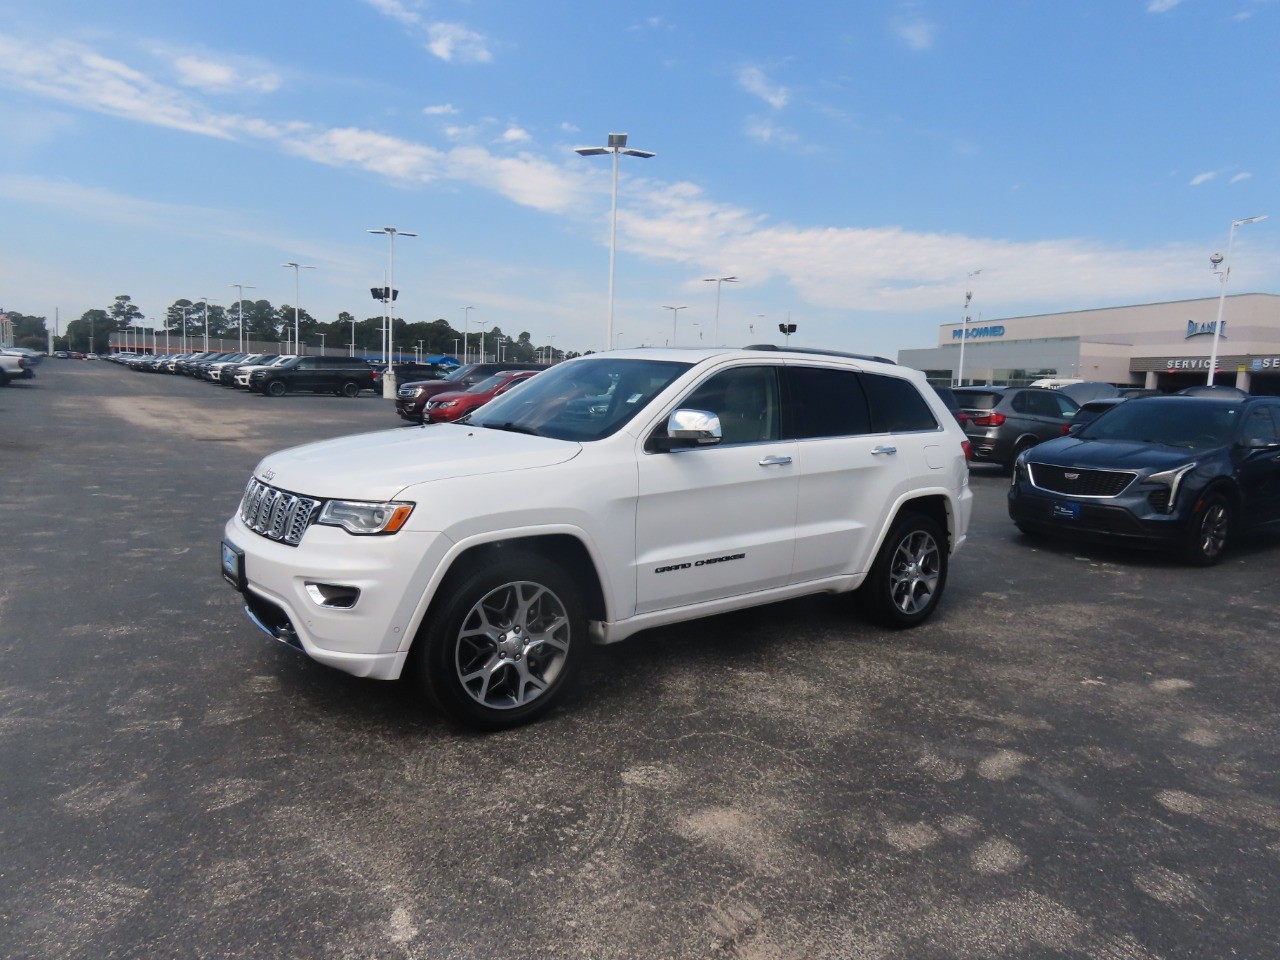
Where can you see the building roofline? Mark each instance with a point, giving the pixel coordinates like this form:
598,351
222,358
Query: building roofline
1128,306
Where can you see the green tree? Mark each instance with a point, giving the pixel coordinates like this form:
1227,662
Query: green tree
91,332
124,313
28,331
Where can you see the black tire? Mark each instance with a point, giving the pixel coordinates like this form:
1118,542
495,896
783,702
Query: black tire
1208,532
350,389
4,379
1023,444
504,643
909,574
276,388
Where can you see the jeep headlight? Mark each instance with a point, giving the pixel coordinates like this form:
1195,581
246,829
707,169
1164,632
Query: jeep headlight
1173,480
365,518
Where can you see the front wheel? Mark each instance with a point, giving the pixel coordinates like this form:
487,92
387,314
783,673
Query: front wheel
505,643
1207,535
350,389
909,573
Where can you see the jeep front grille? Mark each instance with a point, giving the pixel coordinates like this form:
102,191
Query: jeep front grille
1078,482
277,514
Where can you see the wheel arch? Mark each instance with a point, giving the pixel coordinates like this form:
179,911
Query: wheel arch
564,549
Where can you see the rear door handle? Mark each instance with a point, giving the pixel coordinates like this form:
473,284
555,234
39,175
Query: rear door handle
774,461
876,451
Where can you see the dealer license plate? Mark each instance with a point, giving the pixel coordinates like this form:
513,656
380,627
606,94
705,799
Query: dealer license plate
1066,511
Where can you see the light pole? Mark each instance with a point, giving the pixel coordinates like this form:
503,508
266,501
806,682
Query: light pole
675,323
455,348
617,145
353,336
964,327
322,344
1224,271
241,287
617,340
466,330
718,281
389,377
297,267
206,323
551,350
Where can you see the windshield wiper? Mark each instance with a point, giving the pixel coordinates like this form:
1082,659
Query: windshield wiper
512,428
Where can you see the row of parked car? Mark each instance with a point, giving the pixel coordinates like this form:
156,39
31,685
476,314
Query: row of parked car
428,393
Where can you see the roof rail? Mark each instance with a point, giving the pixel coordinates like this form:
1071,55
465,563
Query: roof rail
818,350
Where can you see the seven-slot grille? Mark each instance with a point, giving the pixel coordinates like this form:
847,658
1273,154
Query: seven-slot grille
276,514
1078,482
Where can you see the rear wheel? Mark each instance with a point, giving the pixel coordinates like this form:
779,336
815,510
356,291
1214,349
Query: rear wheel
909,574
1023,445
1209,530
276,388
504,644
350,389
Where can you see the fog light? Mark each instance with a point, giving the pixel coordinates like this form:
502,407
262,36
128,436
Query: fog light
333,595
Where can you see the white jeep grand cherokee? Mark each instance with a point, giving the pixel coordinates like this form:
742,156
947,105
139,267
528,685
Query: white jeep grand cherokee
606,495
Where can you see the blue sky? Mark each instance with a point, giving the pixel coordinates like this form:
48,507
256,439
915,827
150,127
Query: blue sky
852,163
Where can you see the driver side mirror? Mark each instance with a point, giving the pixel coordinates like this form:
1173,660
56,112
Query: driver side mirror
690,428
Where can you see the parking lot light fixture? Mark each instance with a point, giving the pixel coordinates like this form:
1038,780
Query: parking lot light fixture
718,281
296,296
389,378
241,288
617,145
1222,266
675,323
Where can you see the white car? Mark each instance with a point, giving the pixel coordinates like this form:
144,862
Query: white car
244,373
609,494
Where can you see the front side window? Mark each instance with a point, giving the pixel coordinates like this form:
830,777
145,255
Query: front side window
1260,425
746,401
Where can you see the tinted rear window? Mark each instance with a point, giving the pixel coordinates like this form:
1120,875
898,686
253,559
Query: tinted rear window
979,399
896,405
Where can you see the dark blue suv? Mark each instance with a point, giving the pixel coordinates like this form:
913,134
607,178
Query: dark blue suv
1182,473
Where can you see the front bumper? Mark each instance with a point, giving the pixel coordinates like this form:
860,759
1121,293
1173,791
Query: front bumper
368,639
1127,519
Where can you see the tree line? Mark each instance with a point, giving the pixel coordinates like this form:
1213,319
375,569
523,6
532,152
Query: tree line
91,332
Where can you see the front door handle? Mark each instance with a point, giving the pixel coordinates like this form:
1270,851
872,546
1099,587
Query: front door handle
774,461
876,451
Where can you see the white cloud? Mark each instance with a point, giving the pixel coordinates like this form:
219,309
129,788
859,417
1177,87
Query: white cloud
914,31
515,135
448,41
766,131
753,80
221,77
1241,176
75,74
1161,6
452,41
440,110
1202,178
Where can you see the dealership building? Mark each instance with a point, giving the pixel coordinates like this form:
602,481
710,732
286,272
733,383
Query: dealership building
1163,346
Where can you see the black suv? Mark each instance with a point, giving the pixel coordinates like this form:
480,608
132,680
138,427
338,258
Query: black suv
1180,472
1004,421
344,376
411,398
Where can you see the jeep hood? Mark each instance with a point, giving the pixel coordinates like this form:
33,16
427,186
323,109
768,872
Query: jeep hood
377,466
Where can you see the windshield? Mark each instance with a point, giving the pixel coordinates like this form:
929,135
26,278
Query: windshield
490,384
581,399
1175,422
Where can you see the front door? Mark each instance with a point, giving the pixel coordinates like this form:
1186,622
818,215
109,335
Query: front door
719,521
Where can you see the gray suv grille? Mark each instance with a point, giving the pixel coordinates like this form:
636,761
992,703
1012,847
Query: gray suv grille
1077,482
276,514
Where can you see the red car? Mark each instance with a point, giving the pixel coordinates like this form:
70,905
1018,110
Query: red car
449,406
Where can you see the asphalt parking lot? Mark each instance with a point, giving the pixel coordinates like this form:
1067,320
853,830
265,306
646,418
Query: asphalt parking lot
1078,757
